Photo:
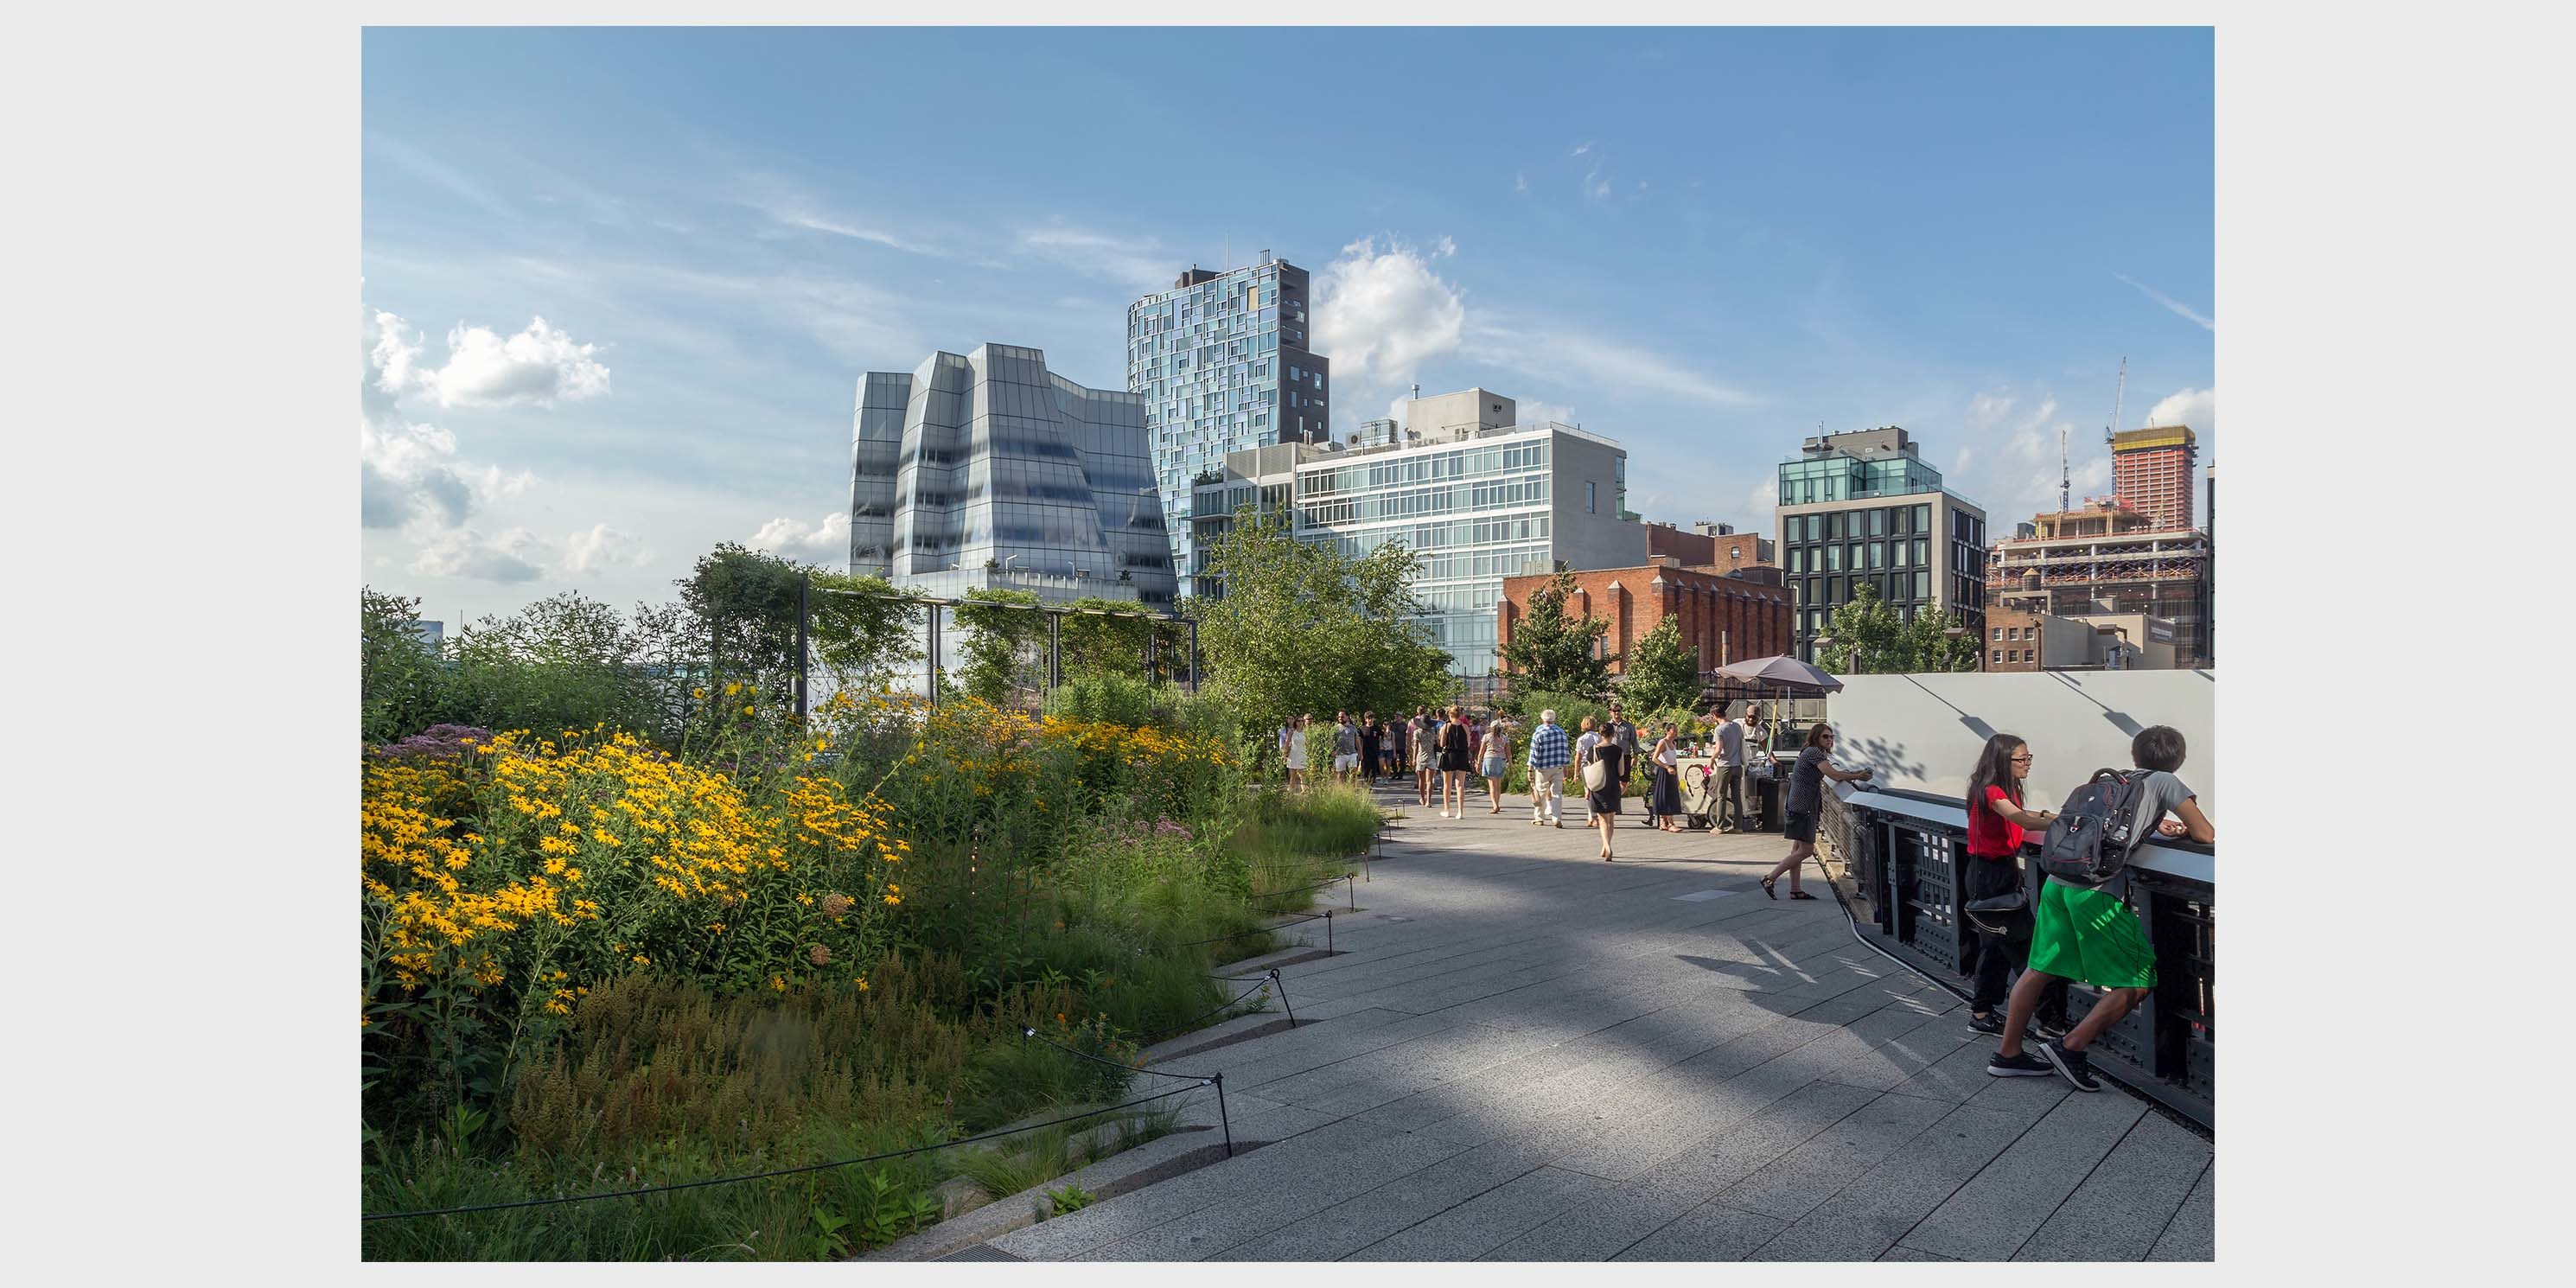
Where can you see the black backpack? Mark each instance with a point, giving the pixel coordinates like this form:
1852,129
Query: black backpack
2089,843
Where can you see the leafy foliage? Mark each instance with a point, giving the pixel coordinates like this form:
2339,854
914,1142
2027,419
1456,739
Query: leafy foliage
1551,650
1305,628
1870,638
1003,645
1661,673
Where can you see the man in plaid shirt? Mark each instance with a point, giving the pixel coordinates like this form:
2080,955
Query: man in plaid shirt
1548,758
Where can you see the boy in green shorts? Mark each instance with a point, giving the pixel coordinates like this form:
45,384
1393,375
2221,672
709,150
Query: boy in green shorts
2090,935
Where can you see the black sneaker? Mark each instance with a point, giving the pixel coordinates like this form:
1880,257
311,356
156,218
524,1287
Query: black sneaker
2049,1026
2024,1065
2072,1066
1987,1023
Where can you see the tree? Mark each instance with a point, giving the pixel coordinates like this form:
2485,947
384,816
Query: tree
1934,648
747,601
1550,650
1002,639
867,630
1660,673
1115,636
1869,638
402,682
1306,629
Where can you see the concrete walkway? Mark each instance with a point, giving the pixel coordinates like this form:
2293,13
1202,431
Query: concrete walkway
1523,1053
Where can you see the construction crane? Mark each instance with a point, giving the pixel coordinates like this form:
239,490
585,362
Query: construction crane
2119,398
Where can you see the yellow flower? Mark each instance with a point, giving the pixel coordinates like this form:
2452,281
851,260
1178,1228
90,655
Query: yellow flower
778,983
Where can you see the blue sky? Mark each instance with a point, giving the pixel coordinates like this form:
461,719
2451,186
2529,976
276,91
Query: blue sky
1703,243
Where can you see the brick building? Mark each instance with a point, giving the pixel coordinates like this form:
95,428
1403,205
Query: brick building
1708,545
2151,472
2021,639
1726,617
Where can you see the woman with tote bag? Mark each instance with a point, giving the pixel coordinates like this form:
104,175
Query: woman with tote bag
1605,770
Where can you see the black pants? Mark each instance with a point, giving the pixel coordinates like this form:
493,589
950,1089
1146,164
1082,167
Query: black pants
1999,956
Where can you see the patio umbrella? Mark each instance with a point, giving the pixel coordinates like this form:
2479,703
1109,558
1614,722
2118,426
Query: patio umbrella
1782,672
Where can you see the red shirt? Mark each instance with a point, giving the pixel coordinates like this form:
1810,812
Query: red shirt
1991,835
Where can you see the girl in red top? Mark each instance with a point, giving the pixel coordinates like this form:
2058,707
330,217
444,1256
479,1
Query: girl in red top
1996,821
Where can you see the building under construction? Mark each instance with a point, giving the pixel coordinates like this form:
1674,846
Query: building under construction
2103,558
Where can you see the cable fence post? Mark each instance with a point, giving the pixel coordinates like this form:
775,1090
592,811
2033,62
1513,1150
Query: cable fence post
1351,891
1328,947
1218,1081
1281,981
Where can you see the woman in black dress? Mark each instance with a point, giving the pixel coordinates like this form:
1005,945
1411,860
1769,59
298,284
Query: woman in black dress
1604,801
1457,756
1666,803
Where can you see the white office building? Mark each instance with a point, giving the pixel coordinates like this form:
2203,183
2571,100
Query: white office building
1478,495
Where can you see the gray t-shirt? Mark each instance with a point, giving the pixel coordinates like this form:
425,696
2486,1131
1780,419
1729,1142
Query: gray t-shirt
2159,793
1730,743
1806,782
1346,740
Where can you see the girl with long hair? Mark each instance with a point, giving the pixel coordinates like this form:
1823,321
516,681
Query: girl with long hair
1996,823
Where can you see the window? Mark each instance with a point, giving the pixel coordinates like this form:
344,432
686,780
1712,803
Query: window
1999,655
1877,549
1922,585
1839,530
1922,552
1923,518
1999,635
1833,558
1878,523
1591,492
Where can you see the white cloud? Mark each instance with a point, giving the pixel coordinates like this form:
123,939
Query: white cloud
2169,302
1762,503
515,556
786,536
2197,408
537,366
1380,315
1572,357
1137,262
436,172
788,207
1580,149
409,474
1443,248
1520,181
604,547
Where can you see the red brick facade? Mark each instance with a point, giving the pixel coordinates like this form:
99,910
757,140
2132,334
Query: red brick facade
1706,550
1727,618
2012,641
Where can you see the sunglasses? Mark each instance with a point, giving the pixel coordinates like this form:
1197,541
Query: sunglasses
2021,760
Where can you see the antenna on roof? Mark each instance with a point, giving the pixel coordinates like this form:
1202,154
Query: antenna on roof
2065,479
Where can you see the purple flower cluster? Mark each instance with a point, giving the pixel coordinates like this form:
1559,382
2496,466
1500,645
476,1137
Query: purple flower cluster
437,742
1142,831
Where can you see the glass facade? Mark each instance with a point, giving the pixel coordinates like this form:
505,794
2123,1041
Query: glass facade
1849,478
1221,363
988,470
1827,557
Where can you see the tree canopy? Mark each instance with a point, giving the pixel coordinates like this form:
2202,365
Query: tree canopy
1660,672
1306,629
1553,651
1869,638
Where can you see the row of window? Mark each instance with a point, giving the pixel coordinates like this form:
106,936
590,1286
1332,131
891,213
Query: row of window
1860,555
1425,467
1901,520
2003,655
1483,494
1895,588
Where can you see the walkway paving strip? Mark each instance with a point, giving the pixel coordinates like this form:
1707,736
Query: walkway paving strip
1551,1058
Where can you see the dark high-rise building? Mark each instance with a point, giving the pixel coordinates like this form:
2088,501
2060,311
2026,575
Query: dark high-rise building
1863,509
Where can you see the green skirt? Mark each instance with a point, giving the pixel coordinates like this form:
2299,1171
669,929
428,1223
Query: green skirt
2088,935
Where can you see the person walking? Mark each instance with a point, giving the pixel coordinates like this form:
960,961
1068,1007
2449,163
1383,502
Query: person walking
1297,753
1389,736
1457,756
1346,747
1996,821
1548,757
1368,746
1665,803
1603,801
1585,740
2092,936
1806,804
1494,759
1426,753
1728,775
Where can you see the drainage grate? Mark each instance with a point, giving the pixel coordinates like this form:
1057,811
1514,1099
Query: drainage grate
979,1252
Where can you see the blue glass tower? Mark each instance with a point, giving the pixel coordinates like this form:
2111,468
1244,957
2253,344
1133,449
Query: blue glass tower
1222,364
